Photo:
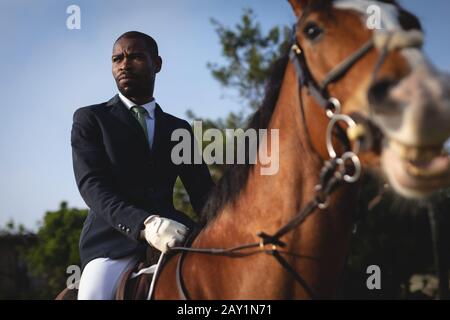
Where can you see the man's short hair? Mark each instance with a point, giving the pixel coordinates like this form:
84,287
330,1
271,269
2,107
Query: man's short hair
149,41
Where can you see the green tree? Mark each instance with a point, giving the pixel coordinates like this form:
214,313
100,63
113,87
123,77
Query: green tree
14,279
11,228
57,248
249,53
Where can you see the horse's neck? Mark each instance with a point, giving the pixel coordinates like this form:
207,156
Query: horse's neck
269,201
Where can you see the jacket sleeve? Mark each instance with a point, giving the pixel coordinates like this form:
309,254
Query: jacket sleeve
94,177
196,178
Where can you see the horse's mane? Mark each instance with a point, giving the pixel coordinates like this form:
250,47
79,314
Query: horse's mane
236,176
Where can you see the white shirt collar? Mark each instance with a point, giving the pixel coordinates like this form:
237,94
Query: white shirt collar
149,106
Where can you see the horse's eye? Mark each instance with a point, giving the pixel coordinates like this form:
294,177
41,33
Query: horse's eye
312,31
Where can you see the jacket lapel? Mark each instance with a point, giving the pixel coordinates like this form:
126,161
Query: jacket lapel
121,112
160,128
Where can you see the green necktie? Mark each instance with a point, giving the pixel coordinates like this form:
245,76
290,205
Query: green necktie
139,113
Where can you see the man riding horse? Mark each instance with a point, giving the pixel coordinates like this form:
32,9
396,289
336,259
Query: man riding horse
347,101
123,169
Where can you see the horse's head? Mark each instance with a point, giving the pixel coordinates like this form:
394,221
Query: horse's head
367,55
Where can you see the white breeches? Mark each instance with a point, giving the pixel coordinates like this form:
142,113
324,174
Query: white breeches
100,277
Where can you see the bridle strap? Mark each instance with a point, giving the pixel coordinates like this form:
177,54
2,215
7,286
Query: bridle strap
276,254
330,179
182,290
304,76
265,240
320,93
346,65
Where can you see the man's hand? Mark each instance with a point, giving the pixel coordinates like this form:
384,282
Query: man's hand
163,233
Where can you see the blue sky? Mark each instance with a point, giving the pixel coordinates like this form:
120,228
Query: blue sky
51,71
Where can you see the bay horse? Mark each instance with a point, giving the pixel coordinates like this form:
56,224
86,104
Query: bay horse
348,100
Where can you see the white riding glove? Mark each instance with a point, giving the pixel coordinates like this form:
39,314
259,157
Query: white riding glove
163,233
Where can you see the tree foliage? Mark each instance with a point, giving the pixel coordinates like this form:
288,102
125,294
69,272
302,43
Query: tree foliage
57,249
249,53
11,228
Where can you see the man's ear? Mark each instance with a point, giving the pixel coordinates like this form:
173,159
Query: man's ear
298,6
158,64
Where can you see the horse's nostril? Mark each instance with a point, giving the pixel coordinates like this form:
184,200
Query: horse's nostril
379,91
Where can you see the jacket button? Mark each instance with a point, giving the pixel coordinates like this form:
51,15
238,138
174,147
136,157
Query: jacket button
128,230
119,225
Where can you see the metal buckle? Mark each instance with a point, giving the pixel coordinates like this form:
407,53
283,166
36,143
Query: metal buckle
322,200
356,164
333,108
296,49
333,120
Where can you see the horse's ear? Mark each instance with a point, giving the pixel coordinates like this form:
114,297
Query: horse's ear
298,6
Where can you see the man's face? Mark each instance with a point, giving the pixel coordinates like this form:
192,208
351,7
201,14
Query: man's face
133,68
